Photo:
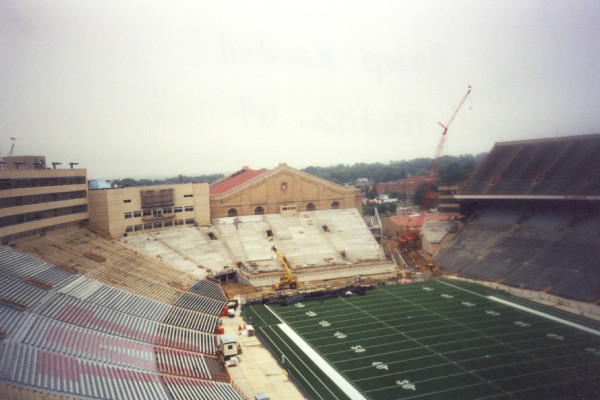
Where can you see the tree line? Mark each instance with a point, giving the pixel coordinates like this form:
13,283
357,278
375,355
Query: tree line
453,170
167,181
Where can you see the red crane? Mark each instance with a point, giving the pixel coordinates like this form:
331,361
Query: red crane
415,232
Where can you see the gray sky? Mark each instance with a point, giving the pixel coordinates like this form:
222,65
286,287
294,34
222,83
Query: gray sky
160,88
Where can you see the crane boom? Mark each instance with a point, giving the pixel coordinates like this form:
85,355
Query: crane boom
290,279
433,173
12,147
438,152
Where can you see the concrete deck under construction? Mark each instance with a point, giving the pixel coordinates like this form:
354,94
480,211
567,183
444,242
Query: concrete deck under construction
319,245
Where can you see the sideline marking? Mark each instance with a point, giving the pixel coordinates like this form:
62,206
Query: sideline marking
322,364
343,384
548,316
530,310
276,316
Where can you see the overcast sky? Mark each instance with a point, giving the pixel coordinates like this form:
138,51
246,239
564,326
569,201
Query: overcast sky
160,88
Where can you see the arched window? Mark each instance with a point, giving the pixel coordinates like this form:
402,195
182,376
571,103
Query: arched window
310,207
259,210
232,212
335,205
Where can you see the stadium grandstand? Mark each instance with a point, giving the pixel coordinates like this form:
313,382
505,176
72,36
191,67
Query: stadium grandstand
532,218
87,315
89,318
322,244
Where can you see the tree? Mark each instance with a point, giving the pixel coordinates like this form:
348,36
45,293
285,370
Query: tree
420,194
391,207
372,194
368,209
394,194
382,208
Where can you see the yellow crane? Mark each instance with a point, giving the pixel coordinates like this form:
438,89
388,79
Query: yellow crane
289,279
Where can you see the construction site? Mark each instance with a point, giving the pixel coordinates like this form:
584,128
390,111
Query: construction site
270,284
318,246
150,315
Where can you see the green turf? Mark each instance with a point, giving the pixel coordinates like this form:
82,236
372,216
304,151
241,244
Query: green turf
435,340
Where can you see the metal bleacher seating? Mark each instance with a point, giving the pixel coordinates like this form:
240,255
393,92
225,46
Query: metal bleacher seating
78,337
200,303
209,289
548,249
475,242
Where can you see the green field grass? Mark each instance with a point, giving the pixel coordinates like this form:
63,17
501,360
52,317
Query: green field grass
434,340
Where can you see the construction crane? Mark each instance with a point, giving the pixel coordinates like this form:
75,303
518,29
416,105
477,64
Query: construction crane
414,234
289,279
12,147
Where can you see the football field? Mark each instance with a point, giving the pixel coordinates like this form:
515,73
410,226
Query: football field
434,340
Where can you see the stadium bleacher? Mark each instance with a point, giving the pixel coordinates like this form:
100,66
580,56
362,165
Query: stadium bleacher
547,235
79,337
542,251
553,166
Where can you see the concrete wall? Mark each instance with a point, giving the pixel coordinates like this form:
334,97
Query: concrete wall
110,208
284,185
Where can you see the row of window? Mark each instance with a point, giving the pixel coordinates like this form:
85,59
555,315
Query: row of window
6,184
39,215
185,195
41,198
160,224
260,211
158,212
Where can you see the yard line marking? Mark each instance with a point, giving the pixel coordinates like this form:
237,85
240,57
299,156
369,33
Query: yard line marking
257,314
544,315
442,355
531,311
276,316
342,383
463,289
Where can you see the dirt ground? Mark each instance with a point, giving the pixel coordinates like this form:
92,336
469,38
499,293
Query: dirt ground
234,289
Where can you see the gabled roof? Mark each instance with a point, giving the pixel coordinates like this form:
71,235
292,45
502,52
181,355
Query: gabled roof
243,178
235,179
554,168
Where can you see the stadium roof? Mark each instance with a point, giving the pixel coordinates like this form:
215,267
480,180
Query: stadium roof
235,179
554,168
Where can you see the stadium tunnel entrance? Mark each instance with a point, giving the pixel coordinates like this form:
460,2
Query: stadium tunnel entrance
226,276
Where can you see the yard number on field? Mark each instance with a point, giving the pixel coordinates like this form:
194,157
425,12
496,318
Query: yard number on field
593,351
358,349
379,365
406,384
555,336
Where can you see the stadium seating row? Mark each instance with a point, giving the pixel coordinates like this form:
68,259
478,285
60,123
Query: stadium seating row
80,337
550,250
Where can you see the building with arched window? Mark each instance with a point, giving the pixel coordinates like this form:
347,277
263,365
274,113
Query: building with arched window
257,192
